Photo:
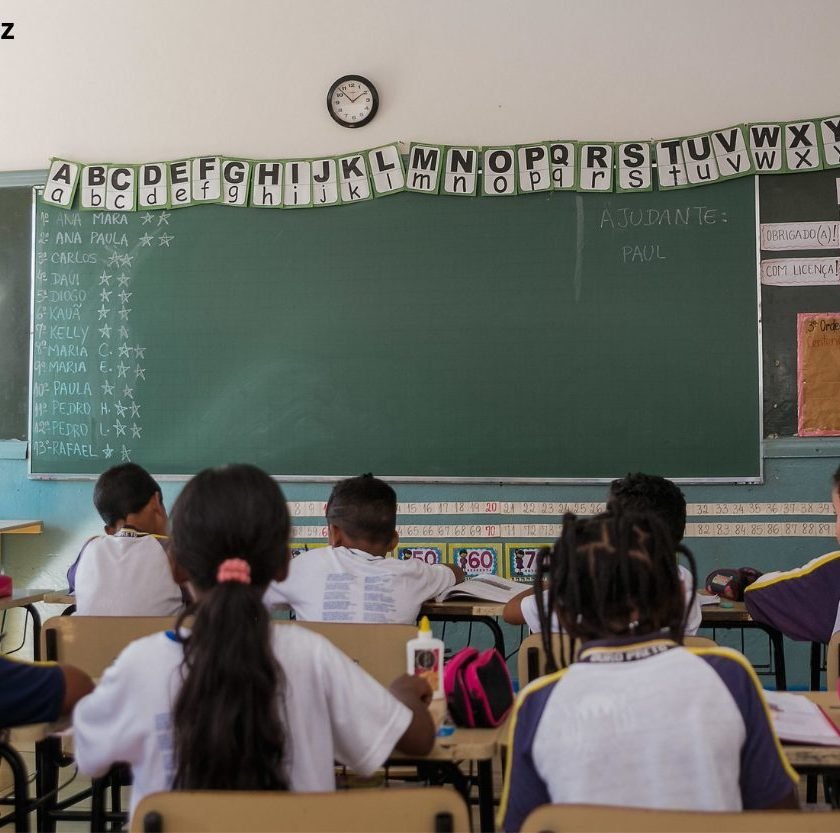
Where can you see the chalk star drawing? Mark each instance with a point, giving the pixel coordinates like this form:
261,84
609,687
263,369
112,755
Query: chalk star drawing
105,331
114,260
107,389
124,313
128,392
103,311
135,430
140,352
122,369
104,279
121,409
107,451
105,295
165,239
139,372
123,331
120,428
163,217
135,410
126,259
125,350
125,455
124,296
123,279
148,217
146,239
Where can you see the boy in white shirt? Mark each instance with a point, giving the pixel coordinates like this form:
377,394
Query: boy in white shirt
351,580
634,493
127,571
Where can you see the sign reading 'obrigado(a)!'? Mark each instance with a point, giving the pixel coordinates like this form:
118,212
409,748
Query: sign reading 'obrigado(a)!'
743,150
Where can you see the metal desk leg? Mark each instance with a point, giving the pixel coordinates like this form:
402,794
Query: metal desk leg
486,807
21,787
778,643
36,632
816,663
47,754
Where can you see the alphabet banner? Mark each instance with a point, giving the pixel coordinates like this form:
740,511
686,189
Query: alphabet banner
430,168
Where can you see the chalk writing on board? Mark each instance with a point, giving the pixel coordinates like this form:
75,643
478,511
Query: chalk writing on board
88,367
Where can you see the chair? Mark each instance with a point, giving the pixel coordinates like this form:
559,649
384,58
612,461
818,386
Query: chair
832,662
355,811
530,662
91,643
379,649
580,818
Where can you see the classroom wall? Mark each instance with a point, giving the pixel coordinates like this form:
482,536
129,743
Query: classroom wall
139,81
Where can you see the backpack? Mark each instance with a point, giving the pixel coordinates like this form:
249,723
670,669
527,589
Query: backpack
479,693
729,583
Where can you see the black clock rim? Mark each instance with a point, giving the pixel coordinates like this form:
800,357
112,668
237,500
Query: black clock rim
374,105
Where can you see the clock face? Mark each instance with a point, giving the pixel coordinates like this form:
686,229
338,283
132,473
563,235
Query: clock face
352,101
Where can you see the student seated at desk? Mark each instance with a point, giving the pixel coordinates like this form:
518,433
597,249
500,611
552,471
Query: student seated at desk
38,692
633,493
127,571
351,580
637,720
803,603
236,702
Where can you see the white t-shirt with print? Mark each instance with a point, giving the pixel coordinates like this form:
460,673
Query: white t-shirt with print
695,615
337,584
334,711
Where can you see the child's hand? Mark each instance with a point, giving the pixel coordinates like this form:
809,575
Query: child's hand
406,688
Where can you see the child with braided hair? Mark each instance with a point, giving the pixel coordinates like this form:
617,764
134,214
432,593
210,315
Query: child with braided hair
637,719
235,702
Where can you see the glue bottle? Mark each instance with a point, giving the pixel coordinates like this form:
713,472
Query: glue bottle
425,658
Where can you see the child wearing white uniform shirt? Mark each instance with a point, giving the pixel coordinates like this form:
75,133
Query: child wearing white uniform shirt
351,580
236,702
127,571
637,720
637,493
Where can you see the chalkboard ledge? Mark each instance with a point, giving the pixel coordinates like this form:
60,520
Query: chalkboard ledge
13,449
801,447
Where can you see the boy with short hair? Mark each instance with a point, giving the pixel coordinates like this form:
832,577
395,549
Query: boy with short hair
127,571
633,493
351,580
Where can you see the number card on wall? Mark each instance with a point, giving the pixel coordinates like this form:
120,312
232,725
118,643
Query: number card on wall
475,559
521,560
427,553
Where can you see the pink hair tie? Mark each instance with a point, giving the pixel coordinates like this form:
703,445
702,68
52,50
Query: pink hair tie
234,569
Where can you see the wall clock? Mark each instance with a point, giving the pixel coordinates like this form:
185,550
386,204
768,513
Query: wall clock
352,101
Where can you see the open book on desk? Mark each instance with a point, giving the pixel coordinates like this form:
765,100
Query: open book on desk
798,720
488,588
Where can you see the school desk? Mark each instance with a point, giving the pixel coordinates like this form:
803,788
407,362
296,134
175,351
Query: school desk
26,598
735,615
469,610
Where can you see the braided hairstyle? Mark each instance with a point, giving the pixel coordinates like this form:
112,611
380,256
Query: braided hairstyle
227,725
610,575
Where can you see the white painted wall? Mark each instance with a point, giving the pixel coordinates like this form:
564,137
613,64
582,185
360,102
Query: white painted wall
141,80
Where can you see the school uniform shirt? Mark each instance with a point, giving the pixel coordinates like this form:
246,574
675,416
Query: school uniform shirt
332,710
126,574
30,692
803,603
337,584
695,615
645,723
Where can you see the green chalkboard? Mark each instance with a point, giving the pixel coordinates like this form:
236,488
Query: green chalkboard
543,336
793,198
15,259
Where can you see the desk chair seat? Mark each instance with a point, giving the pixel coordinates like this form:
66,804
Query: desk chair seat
358,811
580,818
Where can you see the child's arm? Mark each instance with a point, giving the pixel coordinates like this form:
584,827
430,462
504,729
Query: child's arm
512,614
459,573
415,693
77,684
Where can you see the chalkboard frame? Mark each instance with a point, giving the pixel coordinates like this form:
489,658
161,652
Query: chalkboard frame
37,190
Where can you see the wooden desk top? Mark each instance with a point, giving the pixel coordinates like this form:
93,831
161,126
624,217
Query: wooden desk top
462,607
715,613
22,597
22,527
817,757
59,597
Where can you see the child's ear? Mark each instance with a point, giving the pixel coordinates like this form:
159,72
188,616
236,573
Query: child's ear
395,540
335,536
109,529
